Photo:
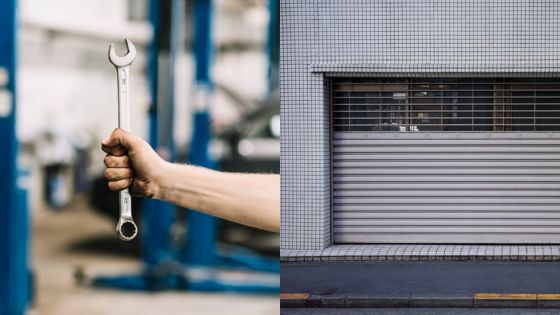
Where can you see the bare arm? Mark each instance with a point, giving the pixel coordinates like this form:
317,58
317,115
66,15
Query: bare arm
250,199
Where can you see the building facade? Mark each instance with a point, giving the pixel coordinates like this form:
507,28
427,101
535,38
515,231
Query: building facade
419,122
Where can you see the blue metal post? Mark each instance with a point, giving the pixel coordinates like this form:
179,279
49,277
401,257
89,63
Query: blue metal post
200,247
152,69
158,216
14,272
273,44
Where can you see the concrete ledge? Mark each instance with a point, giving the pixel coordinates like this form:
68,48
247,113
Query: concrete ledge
548,300
424,252
478,300
435,300
377,300
332,300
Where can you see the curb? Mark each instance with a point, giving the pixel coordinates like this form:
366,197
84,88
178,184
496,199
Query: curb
477,300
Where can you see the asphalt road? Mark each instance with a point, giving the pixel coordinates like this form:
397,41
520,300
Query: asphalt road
423,277
418,311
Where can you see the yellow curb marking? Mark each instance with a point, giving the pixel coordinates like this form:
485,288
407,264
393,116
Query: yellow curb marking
294,296
548,296
498,296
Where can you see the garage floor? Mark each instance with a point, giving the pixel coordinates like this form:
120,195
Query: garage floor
57,255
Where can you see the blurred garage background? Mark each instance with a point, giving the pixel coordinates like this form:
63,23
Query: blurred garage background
213,62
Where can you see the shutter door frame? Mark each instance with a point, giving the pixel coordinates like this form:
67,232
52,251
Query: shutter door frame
527,163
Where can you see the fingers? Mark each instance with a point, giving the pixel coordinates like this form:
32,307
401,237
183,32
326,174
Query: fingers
116,150
118,142
119,176
116,174
116,161
120,184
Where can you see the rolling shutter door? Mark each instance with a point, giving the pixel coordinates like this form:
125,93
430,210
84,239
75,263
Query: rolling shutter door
414,163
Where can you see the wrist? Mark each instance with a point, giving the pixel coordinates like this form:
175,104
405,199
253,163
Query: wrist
163,183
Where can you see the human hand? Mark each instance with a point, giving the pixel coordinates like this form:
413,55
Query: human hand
131,162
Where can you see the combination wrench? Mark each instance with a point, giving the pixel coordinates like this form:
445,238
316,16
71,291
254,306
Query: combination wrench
126,228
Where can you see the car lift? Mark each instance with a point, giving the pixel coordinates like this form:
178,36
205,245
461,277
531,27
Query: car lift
194,265
15,275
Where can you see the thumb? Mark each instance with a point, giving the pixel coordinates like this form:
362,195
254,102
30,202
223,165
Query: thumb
117,143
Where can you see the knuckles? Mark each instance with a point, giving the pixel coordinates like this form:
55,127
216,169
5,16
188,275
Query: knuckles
116,161
108,161
119,185
108,173
117,173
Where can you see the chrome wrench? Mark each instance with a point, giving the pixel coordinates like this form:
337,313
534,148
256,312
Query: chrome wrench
126,228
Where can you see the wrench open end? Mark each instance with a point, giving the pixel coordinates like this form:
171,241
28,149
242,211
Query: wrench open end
127,59
127,229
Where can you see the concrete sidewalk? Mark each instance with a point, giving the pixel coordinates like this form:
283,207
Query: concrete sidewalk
421,284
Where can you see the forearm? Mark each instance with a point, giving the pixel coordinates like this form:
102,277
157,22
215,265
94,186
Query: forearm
250,199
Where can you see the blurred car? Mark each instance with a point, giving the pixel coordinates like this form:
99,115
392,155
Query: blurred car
252,145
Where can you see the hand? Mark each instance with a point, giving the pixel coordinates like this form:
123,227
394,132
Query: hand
131,162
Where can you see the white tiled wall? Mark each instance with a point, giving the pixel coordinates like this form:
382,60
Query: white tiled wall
515,37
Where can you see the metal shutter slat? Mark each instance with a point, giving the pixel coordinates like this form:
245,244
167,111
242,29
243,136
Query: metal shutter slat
525,214
435,157
472,207
535,163
430,195
360,170
447,193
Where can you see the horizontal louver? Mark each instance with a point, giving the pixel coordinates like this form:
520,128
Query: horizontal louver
494,179
364,104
